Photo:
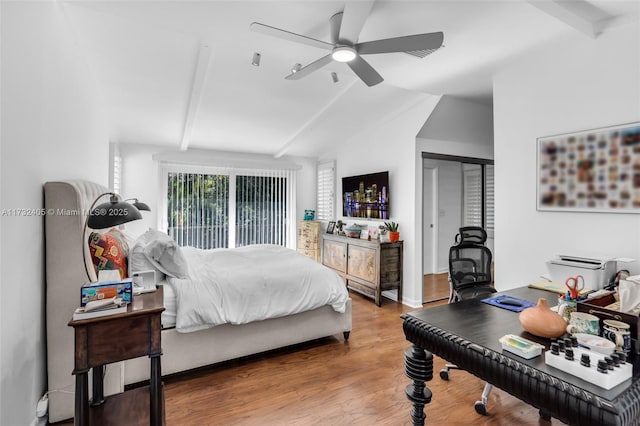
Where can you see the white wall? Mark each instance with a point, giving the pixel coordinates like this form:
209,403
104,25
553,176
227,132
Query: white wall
52,129
461,128
570,85
459,120
449,201
390,145
141,175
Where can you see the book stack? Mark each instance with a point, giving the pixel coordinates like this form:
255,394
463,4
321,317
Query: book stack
99,308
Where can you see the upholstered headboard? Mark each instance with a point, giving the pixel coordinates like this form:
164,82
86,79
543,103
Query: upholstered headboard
67,203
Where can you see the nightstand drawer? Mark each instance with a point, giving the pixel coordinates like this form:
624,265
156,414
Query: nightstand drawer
119,340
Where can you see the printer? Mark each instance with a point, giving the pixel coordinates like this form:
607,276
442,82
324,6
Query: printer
597,273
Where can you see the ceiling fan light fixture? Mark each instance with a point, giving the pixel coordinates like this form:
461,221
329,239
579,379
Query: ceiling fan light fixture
343,54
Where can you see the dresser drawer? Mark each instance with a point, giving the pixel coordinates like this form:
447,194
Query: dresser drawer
309,235
361,288
313,254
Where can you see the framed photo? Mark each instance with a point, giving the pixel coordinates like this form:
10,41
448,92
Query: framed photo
330,227
594,170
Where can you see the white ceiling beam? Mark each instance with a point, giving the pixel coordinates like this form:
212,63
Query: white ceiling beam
578,14
310,122
197,87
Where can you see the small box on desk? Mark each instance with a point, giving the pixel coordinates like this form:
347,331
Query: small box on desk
597,306
106,290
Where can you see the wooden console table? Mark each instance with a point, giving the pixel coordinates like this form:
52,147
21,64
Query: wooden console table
367,267
113,338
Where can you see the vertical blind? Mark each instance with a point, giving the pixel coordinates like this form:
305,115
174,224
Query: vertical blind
231,208
117,173
198,209
473,198
262,207
116,170
489,198
325,203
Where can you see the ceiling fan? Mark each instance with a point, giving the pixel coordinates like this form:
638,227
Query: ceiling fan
345,28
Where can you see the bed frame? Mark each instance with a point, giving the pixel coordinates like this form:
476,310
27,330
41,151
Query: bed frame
68,202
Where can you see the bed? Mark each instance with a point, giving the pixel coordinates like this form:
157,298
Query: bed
184,348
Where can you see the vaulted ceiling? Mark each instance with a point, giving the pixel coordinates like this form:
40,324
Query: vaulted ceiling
179,73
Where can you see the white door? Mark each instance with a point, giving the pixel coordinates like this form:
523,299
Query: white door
429,219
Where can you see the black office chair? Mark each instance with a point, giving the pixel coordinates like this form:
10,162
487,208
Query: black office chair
470,265
470,278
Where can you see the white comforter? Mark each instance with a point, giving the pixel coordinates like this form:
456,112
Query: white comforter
251,283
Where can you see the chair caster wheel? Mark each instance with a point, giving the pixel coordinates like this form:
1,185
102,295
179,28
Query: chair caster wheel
481,408
444,374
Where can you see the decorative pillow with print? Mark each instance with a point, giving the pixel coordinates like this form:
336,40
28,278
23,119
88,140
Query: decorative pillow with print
109,251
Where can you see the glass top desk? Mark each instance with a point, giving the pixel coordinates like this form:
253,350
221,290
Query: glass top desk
467,334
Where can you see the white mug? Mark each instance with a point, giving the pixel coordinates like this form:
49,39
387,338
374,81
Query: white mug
619,333
582,322
566,307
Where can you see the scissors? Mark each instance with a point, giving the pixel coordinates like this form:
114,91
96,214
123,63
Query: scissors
575,285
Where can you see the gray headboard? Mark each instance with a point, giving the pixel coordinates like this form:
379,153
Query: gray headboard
67,203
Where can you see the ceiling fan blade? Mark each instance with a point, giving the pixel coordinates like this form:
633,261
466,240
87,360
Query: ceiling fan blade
429,41
365,71
353,19
286,35
313,66
335,22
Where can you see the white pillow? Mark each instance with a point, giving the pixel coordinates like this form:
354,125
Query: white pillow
167,256
130,237
138,260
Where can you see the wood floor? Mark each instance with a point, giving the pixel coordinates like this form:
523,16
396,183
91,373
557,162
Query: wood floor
330,382
435,287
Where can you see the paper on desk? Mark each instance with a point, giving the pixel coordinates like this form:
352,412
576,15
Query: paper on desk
549,286
552,286
629,291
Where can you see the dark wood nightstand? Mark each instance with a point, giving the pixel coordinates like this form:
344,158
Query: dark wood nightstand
113,338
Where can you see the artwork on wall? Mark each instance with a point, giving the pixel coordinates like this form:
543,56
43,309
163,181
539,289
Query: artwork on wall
593,170
366,196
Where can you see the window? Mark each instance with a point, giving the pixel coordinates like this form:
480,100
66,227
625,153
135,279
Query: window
489,198
218,208
261,210
472,208
472,199
198,209
326,191
115,165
